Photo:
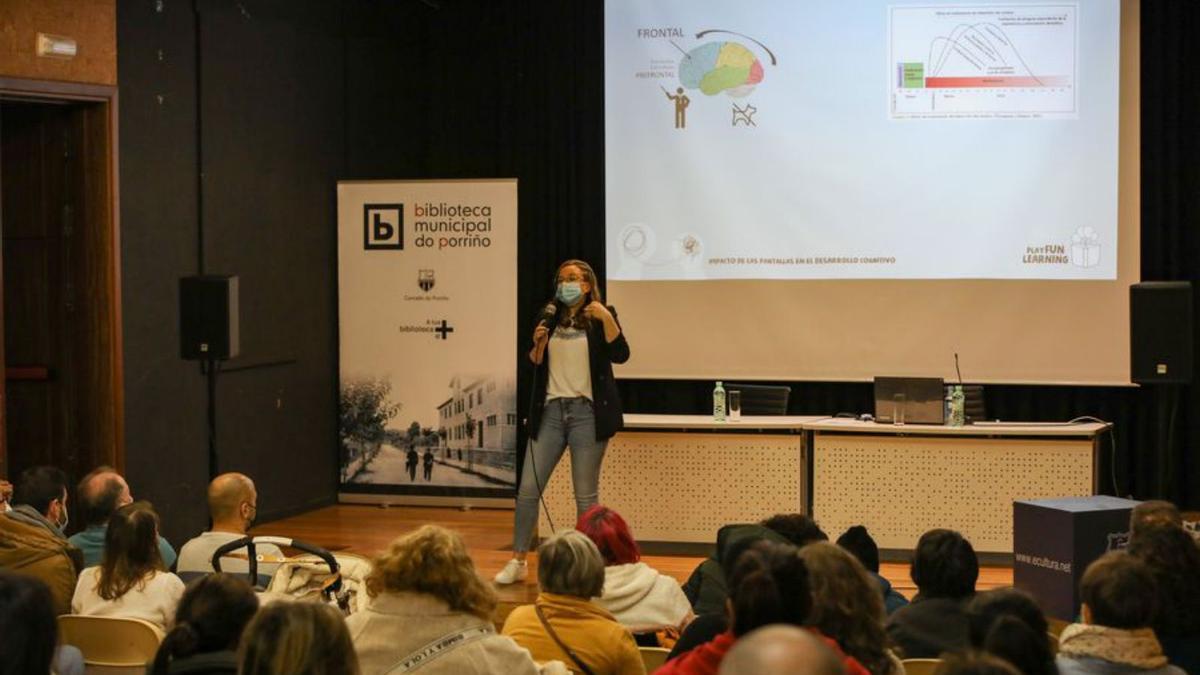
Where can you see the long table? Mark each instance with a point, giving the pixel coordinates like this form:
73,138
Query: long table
678,478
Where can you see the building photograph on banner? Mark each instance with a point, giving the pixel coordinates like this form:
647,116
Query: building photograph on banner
427,300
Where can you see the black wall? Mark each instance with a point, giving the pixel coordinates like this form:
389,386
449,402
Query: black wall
266,103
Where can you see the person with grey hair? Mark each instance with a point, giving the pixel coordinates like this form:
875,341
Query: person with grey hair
781,649
563,624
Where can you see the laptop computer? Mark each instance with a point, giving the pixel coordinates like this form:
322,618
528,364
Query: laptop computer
920,399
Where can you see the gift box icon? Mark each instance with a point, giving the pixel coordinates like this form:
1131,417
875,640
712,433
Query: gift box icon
1085,247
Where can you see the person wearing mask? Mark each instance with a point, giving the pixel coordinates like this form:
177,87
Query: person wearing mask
31,534
99,494
233,506
575,400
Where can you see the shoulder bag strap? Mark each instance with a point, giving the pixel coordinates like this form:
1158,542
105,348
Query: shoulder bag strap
561,645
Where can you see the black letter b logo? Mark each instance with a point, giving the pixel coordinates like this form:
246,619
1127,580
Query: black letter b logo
383,226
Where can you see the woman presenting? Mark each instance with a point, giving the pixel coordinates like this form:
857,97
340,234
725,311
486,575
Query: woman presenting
575,400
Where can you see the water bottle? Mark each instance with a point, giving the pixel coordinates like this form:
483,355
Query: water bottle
719,403
958,410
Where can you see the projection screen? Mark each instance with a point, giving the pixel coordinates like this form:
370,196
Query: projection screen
830,190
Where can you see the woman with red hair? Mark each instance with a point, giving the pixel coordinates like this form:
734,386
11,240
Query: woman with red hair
639,597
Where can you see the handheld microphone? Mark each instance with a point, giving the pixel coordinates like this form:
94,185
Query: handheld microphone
549,312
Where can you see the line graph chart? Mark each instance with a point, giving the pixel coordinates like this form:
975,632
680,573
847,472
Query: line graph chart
983,61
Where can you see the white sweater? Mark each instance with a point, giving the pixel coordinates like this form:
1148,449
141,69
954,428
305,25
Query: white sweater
154,601
642,599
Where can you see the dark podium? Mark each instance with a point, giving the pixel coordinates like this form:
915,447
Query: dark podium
1054,540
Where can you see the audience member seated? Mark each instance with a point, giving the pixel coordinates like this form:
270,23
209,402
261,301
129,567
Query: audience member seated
212,614
975,663
781,650
563,624
131,582
858,541
1115,637
31,534
233,505
637,595
705,588
29,630
1153,512
1009,624
425,593
99,494
945,570
768,584
297,637
1173,559
6,493
847,606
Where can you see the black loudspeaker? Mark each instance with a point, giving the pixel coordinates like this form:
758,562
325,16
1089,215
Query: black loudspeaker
208,317
1160,332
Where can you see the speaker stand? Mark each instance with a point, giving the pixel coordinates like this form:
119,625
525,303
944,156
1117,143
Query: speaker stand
210,367
1167,404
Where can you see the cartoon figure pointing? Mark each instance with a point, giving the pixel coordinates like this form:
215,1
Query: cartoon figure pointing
681,103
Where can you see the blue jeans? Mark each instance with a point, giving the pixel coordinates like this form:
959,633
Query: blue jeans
565,422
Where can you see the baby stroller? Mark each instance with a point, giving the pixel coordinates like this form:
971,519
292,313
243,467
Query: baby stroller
316,576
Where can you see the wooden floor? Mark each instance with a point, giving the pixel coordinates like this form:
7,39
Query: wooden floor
367,530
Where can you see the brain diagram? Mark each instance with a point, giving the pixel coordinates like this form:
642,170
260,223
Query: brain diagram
716,67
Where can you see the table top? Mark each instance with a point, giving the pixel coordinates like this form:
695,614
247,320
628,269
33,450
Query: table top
818,423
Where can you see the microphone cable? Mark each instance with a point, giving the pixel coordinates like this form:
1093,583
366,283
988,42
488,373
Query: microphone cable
529,439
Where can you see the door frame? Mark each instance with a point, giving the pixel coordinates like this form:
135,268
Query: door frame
48,91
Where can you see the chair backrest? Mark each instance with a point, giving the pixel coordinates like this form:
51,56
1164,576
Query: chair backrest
760,399
653,657
974,404
109,641
921,666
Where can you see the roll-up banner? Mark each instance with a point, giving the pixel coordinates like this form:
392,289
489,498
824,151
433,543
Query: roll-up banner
427,301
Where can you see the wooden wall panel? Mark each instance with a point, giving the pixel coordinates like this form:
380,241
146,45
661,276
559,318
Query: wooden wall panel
91,23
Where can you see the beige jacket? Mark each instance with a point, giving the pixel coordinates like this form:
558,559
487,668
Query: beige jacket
397,625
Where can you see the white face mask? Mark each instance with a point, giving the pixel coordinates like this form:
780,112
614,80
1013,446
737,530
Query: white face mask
66,517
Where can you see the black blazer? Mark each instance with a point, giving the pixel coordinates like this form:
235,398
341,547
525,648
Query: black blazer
605,401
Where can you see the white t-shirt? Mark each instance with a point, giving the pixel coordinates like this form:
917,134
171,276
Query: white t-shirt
196,555
570,372
154,600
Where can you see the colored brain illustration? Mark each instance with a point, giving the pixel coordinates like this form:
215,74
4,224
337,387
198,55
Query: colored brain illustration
717,67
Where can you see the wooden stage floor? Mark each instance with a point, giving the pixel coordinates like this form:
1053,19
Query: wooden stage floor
366,530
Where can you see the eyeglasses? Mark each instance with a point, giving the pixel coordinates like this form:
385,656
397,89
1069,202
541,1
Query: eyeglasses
573,277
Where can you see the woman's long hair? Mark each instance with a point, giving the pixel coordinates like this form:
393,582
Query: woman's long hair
297,637
211,616
131,553
847,605
593,294
435,561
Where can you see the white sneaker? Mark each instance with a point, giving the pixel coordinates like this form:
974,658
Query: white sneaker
514,571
